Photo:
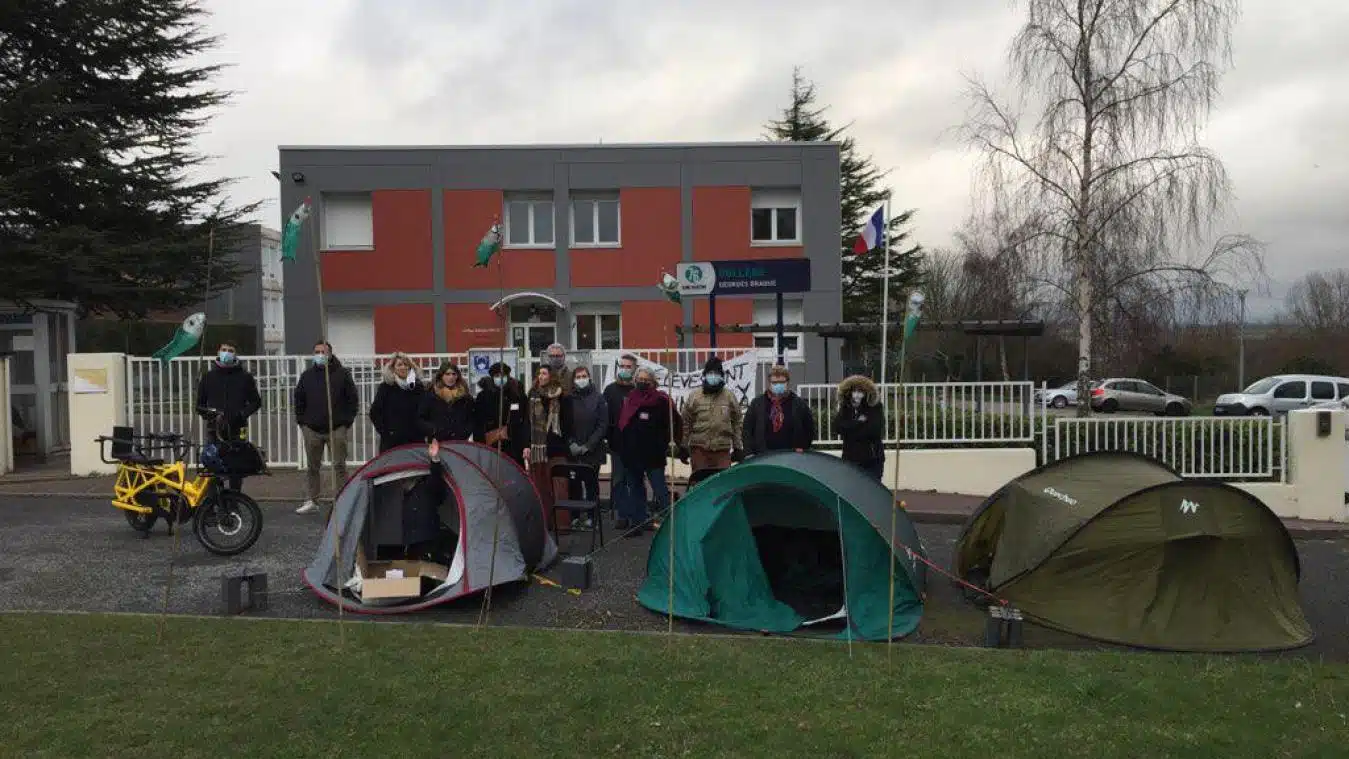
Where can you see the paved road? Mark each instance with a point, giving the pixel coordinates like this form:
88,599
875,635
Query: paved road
78,554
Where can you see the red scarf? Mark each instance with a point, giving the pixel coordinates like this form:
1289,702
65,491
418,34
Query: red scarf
775,413
638,400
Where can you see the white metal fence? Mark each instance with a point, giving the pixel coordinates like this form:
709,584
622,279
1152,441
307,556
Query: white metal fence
942,413
1199,447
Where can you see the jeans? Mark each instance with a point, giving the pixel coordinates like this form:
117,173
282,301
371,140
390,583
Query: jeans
632,506
617,481
314,443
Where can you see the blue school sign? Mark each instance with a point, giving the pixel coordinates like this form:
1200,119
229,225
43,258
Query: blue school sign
767,277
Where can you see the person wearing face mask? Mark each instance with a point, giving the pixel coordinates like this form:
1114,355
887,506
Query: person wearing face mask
446,413
778,420
648,425
548,440
585,420
712,422
397,400
555,358
614,395
326,380
860,423
501,413
230,389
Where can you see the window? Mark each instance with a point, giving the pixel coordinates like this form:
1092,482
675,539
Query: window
775,218
1323,391
529,222
1344,391
598,332
1148,388
594,221
766,312
1295,390
348,223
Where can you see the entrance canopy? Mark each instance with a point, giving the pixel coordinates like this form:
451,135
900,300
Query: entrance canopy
529,295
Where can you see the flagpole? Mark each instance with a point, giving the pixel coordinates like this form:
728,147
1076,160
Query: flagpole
885,290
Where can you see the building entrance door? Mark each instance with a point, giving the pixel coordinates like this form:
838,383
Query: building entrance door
535,339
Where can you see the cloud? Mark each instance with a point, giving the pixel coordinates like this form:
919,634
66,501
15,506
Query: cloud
428,72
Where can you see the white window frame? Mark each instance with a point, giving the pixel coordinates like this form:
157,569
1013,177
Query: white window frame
595,199
775,199
358,231
792,310
533,199
594,312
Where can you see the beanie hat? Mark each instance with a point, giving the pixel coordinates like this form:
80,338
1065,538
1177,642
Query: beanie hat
713,365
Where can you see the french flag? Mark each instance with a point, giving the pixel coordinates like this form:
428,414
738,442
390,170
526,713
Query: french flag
872,233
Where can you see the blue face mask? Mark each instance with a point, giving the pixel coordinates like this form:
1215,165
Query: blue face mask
320,359
225,357
779,388
500,381
713,380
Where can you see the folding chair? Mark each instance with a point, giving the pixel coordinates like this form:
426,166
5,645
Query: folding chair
583,495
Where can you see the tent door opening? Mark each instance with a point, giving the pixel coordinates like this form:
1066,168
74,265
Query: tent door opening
798,543
411,537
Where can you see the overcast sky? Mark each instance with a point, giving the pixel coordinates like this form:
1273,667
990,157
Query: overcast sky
467,72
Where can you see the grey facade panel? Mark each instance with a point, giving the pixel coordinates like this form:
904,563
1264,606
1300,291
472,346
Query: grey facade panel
559,171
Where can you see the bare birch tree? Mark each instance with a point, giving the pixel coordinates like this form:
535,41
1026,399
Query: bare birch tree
1111,169
1319,303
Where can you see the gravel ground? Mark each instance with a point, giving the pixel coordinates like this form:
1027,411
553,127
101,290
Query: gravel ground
80,555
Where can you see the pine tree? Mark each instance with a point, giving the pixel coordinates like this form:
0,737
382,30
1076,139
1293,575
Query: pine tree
861,194
98,109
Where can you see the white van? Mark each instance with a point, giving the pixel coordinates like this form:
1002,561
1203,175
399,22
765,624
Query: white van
1282,393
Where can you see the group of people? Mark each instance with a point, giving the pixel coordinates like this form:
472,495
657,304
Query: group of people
562,417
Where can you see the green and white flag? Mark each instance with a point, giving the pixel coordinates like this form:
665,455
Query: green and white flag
669,287
914,313
290,238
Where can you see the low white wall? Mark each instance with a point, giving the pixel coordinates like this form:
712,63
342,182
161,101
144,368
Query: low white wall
1281,498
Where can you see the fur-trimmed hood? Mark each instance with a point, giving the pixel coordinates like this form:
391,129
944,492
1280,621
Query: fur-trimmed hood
392,379
858,382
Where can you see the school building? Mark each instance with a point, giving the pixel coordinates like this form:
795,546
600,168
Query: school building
588,232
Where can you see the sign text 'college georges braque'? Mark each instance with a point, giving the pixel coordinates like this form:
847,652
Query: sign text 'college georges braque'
781,275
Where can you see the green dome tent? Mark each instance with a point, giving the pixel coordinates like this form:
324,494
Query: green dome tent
1120,548
765,545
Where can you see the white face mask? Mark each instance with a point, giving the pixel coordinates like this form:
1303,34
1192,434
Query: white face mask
858,397
406,382
581,382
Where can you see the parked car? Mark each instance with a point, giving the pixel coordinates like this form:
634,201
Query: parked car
1062,396
1129,394
1282,393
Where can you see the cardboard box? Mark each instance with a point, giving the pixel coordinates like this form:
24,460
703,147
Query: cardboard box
398,579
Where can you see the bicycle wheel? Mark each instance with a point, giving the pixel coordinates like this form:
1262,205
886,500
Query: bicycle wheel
228,523
140,522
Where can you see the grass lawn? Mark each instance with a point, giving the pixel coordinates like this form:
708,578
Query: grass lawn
101,686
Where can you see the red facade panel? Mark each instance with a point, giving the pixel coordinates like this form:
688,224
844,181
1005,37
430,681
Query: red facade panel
472,325
721,228
650,323
468,216
407,327
401,259
729,311
651,242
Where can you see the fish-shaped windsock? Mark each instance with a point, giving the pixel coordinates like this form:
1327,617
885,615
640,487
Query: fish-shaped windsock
290,238
488,246
669,287
187,335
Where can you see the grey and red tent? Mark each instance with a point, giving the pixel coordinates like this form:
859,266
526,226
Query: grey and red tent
487,498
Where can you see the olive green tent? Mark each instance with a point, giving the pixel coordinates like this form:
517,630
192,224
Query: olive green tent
1120,548
786,541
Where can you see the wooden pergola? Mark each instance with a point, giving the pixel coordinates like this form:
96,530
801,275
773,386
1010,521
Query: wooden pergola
979,329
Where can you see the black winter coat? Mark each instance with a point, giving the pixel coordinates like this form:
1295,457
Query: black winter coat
394,414
443,420
491,411
798,430
645,443
614,395
232,390
862,429
311,400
